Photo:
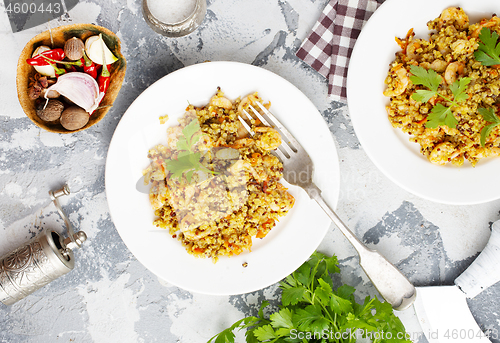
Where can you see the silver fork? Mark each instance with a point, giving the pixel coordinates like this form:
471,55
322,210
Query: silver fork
393,286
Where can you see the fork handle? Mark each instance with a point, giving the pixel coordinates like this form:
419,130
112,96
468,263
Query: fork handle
392,285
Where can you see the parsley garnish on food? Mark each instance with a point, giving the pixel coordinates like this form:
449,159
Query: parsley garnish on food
313,310
488,52
188,161
440,114
488,115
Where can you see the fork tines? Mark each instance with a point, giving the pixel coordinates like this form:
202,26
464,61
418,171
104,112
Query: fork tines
288,147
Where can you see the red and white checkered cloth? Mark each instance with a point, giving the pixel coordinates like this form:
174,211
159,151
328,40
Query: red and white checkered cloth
329,45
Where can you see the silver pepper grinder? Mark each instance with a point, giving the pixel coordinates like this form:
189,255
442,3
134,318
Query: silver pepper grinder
43,260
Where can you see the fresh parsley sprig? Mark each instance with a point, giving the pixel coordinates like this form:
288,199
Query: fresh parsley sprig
314,311
488,52
188,161
489,116
440,114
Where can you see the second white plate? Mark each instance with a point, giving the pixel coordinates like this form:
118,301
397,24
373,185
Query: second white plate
389,148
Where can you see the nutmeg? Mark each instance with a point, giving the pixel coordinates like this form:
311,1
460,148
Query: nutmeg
74,118
51,112
73,48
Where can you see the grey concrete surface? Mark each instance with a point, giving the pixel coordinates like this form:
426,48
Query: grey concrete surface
110,296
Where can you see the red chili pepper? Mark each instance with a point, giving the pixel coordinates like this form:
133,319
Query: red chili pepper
40,60
89,67
103,80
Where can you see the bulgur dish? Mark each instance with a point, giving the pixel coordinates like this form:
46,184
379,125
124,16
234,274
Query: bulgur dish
213,185
444,90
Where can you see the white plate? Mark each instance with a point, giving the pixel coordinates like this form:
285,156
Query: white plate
388,147
286,247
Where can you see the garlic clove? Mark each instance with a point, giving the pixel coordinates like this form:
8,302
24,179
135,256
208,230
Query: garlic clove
47,70
79,88
94,47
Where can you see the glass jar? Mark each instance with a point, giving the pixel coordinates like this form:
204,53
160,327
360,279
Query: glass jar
172,18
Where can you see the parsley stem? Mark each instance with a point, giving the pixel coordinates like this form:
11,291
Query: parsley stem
447,99
332,321
313,298
368,306
323,307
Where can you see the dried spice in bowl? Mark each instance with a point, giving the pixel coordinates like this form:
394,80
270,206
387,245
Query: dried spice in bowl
51,60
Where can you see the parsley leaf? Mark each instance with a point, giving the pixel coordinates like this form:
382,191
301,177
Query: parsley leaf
311,318
303,274
292,295
332,263
489,116
423,95
340,305
458,89
323,291
228,335
264,333
188,161
428,78
282,319
264,304
439,114
345,291
488,52
485,132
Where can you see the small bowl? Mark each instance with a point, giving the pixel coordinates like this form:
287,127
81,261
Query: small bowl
181,28
59,36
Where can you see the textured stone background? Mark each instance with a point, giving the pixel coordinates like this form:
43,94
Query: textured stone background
110,296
